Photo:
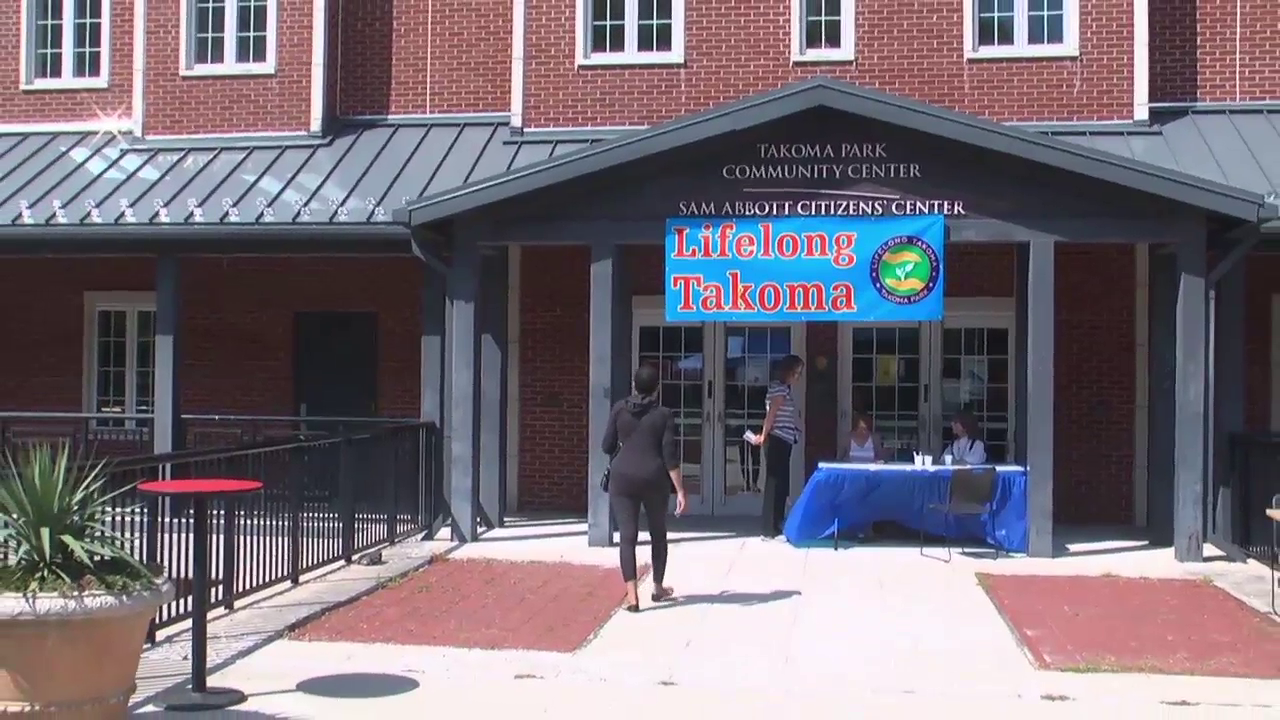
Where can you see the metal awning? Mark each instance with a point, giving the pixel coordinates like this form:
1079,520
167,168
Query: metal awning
1240,148
99,181
1212,196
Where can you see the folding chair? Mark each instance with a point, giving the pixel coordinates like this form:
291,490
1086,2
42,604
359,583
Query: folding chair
972,492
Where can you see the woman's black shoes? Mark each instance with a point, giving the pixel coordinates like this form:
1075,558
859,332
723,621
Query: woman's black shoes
632,608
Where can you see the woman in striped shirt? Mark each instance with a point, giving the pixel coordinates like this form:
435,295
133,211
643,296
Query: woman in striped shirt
781,432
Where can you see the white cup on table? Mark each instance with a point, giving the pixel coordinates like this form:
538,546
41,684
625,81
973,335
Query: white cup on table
928,461
947,459
918,459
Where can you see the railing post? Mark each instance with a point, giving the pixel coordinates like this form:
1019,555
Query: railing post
346,500
293,486
230,550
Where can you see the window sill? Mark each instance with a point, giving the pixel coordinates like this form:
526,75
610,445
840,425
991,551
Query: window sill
632,60
56,85
823,57
228,70
1014,53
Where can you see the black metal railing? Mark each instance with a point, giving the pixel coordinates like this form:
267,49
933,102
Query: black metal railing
323,501
117,435
1254,477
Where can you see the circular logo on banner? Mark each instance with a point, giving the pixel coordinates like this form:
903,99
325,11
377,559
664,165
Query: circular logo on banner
905,269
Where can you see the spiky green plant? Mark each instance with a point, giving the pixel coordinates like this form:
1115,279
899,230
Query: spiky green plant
55,526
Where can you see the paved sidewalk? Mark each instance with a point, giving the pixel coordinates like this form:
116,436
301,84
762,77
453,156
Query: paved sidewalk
762,629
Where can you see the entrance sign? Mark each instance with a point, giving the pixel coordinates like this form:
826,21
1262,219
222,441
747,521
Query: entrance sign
792,269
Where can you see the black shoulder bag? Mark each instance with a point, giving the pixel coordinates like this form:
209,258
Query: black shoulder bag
604,479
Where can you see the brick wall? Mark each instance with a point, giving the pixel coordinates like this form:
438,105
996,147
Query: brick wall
735,49
1194,57
415,57
237,323
277,103
57,106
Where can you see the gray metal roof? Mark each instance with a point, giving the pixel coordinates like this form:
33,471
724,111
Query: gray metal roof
358,177
1173,184
1237,147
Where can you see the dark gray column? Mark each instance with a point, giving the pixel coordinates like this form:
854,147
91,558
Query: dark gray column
1021,273
493,416
167,434
1226,389
431,365
461,431
1041,327
1162,348
602,377
1190,466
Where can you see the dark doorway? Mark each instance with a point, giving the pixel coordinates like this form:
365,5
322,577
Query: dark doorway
335,364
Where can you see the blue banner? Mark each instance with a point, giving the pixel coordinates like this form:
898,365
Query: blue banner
859,269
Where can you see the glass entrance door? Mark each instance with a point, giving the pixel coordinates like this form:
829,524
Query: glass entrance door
974,375
714,378
678,351
747,356
911,379
884,376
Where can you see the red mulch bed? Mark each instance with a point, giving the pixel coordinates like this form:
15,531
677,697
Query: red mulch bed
484,604
1115,624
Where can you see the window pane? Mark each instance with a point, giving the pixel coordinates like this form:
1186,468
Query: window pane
995,23
48,39
251,31
210,32
654,26
111,358
1046,22
608,26
822,25
86,51
145,358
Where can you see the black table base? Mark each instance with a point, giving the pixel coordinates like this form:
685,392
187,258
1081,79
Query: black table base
213,698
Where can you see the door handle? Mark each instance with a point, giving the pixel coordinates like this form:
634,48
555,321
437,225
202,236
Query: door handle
925,390
711,389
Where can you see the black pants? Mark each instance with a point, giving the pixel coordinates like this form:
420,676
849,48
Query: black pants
777,483
626,504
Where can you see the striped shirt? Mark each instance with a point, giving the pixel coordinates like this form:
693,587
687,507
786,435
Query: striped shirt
786,424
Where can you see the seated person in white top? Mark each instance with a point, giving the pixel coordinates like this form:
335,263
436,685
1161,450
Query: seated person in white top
966,448
864,445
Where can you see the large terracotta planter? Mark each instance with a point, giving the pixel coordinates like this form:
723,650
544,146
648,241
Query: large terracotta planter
73,657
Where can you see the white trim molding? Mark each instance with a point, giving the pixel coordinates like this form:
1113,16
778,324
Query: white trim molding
228,68
1141,60
105,125
630,54
139,68
848,33
1021,46
319,63
517,63
27,50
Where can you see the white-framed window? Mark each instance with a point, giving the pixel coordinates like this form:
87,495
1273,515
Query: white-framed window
229,37
1021,28
120,355
822,30
65,43
630,32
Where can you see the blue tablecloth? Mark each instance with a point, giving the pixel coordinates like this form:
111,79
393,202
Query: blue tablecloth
852,496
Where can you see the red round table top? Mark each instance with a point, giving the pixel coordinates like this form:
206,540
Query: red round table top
200,486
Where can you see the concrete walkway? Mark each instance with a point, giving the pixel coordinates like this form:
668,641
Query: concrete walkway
762,628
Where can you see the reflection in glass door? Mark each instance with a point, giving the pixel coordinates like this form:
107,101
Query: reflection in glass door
750,353
884,379
677,351
975,377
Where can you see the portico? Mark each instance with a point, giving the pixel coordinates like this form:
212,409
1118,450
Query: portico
1065,215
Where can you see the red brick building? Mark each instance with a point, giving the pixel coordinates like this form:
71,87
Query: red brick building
246,160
